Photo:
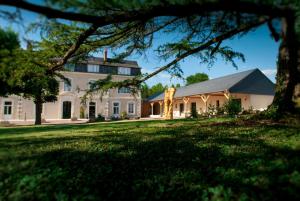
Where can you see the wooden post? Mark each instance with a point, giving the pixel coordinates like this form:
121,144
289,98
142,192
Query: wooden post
160,107
205,99
185,101
226,94
152,108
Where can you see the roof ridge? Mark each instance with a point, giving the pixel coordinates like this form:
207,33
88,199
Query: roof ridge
221,77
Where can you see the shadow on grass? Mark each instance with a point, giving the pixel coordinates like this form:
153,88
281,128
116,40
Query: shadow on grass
174,163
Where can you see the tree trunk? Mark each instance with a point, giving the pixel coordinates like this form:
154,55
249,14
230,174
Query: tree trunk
287,72
38,110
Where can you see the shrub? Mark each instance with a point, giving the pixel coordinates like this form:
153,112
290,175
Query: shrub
100,118
124,115
220,110
114,118
81,112
211,110
232,107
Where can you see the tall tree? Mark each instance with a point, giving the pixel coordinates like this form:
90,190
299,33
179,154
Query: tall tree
198,77
20,75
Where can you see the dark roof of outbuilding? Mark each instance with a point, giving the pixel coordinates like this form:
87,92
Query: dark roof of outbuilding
248,82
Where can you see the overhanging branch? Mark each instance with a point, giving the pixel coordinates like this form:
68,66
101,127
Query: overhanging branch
217,40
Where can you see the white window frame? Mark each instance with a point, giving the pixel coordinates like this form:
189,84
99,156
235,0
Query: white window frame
12,108
119,106
133,107
93,68
124,71
71,83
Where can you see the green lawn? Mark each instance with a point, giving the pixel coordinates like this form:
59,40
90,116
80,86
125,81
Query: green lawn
216,159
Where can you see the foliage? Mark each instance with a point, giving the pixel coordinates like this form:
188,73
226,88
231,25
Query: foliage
220,110
270,113
82,112
150,91
100,118
213,159
198,77
232,107
211,109
124,115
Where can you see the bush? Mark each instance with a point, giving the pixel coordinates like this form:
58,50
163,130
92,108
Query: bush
211,110
124,115
232,107
82,112
220,110
114,118
100,118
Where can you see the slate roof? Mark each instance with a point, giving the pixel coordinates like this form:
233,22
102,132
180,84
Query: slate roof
248,82
100,60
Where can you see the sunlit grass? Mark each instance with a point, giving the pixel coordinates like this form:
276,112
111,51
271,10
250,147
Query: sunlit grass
212,159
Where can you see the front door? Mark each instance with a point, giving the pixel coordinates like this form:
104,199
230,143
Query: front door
181,108
67,105
193,107
92,110
7,110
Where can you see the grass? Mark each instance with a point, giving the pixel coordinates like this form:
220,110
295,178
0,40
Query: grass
214,159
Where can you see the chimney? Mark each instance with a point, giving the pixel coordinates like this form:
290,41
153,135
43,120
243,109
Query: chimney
105,55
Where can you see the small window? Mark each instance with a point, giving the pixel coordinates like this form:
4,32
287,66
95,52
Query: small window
93,68
124,90
218,104
67,86
123,71
130,108
7,107
116,108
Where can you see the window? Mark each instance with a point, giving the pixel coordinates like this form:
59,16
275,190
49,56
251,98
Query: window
67,86
80,67
108,70
7,107
90,83
116,108
123,71
130,109
217,103
135,71
93,68
124,90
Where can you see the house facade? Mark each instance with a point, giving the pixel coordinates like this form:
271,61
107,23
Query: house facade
69,104
251,89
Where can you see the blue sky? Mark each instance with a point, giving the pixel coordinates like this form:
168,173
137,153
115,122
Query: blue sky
259,49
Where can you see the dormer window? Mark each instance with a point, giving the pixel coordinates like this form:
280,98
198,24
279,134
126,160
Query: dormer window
92,68
123,71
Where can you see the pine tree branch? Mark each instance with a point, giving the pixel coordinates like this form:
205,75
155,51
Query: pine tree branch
81,38
166,9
